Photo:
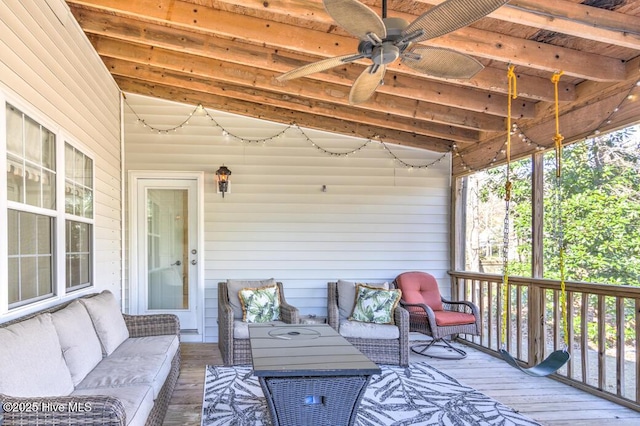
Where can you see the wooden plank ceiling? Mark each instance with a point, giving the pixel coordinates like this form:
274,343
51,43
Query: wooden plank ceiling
226,56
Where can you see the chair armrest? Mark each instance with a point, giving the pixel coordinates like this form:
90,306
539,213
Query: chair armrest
401,319
225,324
288,313
63,410
333,315
152,325
421,309
461,306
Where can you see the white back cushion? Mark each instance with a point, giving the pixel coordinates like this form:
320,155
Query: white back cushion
31,362
234,286
107,320
80,345
347,296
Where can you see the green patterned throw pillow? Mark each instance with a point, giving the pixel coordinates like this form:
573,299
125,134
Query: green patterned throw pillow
375,305
260,304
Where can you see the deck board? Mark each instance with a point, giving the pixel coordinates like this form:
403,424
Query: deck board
545,400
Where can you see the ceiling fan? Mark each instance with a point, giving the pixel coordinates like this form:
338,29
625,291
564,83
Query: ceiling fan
383,40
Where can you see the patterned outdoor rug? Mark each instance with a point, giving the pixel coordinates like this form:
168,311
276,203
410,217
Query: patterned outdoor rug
233,396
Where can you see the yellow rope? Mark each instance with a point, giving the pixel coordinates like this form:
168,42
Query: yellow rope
513,94
558,138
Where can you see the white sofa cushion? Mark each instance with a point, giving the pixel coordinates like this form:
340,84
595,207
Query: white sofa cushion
118,371
31,361
149,345
137,401
234,286
368,330
347,295
107,320
241,328
80,345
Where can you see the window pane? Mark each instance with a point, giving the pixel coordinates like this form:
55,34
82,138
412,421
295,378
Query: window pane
44,235
30,256
88,203
88,172
68,161
14,280
78,167
32,178
78,257
15,180
48,149
69,196
14,130
48,190
28,236
14,241
44,275
32,140
28,278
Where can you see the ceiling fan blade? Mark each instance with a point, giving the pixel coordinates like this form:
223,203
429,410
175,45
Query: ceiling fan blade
366,84
443,63
356,18
449,16
315,67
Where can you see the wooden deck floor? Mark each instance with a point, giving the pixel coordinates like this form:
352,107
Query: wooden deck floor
542,399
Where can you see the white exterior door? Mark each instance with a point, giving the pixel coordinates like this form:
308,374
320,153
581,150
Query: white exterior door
167,253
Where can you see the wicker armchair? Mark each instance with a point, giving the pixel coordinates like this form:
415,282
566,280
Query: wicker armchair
434,316
235,349
381,351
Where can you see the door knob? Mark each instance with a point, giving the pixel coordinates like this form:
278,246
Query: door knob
193,262
177,263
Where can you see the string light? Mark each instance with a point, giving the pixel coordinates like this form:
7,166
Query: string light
200,110
630,96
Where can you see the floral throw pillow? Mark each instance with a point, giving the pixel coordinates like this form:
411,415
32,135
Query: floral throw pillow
260,304
375,305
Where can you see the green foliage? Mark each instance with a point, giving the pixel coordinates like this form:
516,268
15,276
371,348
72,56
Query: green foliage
600,205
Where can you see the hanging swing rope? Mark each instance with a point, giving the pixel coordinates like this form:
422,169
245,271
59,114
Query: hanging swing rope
558,138
513,94
559,357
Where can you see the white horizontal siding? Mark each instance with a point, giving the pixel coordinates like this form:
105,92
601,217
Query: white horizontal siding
49,69
376,219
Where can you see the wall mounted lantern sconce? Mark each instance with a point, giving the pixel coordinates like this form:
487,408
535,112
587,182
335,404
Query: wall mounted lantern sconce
222,176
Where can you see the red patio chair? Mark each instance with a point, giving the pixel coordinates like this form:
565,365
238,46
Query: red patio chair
434,316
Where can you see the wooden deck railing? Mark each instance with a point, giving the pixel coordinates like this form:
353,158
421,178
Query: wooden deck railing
602,328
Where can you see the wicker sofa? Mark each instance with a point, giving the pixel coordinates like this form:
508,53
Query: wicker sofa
382,343
83,362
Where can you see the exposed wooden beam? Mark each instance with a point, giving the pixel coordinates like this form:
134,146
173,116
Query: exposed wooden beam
204,67
318,108
279,115
574,19
602,107
398,84
287,36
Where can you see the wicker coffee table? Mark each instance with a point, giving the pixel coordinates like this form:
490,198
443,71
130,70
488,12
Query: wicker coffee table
310,375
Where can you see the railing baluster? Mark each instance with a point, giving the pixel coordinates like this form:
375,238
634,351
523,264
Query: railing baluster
569,333
602,364
637,341
584,331
507,323
620,346
557,322
497,311
519,290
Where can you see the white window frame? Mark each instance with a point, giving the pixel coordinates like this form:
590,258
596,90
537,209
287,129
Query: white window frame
58,215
